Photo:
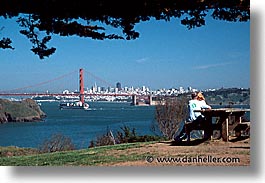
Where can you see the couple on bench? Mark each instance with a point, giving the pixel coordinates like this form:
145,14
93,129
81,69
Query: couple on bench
196,119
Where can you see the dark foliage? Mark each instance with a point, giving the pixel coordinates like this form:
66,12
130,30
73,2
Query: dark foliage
125,135
5,43
103,140
90,18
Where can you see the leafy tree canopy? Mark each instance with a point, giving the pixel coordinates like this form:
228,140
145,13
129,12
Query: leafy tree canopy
90,18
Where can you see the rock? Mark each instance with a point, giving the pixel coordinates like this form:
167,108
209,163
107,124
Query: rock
20,111
3,117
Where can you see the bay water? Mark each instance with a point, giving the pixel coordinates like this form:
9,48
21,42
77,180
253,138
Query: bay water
81,126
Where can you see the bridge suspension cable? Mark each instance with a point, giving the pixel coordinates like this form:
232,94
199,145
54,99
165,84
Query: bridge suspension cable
55,79
39,84
98,78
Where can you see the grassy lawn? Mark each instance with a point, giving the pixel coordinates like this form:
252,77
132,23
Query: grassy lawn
133,154
85,157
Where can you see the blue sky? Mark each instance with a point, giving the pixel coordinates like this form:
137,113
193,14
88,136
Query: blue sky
166,55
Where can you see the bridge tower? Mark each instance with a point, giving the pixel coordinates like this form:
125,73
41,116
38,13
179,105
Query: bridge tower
134,100
81,86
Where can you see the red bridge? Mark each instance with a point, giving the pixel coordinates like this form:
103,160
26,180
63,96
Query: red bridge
81,93
65,94
137,98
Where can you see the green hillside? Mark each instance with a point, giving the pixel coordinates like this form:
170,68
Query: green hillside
20,111
228,96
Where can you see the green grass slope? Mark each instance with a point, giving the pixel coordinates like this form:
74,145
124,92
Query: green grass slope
86,157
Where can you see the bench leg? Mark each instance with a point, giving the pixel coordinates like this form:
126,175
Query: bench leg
188,137
187,131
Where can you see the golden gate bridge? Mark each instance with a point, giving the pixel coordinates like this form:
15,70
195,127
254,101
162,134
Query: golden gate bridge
137,98
17,91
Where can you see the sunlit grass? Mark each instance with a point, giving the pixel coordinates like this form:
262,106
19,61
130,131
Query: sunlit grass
85,157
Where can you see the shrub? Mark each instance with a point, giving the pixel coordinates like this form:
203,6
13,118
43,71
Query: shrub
169,115
57,142
125,135
106,139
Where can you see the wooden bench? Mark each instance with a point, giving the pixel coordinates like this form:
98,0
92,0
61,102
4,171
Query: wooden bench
243,126
189,126
208,129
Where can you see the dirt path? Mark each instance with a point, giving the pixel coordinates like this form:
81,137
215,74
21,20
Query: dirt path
209,153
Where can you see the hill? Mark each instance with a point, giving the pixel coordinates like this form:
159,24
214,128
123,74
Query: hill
20,111
228,96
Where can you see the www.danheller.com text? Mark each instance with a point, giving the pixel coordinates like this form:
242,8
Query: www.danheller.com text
195,159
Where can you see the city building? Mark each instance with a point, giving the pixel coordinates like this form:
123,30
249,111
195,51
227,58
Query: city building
118,85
